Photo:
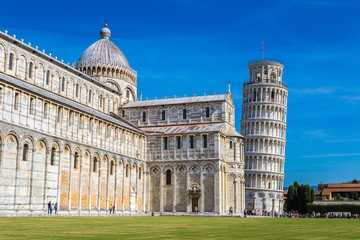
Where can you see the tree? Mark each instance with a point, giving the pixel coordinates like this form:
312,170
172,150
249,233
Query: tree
298,197
338,197
355,195
312,195
290,198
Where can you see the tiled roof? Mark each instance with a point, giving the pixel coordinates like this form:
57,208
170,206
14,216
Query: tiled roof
172,101
195,128
344,185
327,191
64,101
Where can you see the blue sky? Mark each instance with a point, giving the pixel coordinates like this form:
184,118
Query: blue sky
195,47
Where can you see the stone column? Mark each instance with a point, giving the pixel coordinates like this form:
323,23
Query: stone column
45,180
99,185
254,203
202,189
123,188
236,192
174,192
107,184
161,191
59,179
31,178
273,205
217,191
6,63
188,210
116,183
80,184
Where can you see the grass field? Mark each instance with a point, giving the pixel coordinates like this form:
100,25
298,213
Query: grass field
177,228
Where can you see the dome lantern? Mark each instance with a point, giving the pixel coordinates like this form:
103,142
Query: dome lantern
105,33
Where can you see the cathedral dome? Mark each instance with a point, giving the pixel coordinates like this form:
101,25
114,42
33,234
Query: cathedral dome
103,54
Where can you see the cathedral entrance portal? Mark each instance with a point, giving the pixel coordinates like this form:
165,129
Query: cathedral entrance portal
194,203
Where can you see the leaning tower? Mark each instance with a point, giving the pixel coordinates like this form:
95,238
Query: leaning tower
263,123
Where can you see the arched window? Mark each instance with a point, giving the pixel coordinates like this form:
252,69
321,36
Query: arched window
32,106
16,101
70,117
139,173
90,93
100,101
205,141
184,114
46,106
52,157
111,167
258,76
144,116
47,77
95,162
63,84
191,142
272,77
207,112
30,69
11,61
163,115
59,114
127,171
168,177
127,93
77,90
76,160
165,143
25,152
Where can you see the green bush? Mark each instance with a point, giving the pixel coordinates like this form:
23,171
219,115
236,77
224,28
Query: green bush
354,209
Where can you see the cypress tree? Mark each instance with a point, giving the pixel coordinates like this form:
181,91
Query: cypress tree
312,195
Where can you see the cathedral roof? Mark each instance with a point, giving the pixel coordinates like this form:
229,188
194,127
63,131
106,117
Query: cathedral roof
171,101
103,53
65,101
192,128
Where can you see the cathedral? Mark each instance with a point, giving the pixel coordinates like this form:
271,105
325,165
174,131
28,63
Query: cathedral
78,135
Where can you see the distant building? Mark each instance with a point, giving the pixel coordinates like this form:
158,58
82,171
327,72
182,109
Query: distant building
329,191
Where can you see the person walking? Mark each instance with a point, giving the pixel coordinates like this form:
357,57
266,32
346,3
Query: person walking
110,209
114,208
49,207
55,208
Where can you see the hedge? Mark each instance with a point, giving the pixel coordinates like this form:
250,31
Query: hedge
354,209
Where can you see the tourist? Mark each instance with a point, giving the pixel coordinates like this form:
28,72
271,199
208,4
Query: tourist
49,207
230,211
110,208
196,210
213,210
55,208
114,208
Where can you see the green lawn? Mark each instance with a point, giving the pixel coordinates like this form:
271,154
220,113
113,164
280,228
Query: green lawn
177,228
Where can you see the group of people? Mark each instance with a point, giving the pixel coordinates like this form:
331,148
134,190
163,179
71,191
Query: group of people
112,208
52,207
263,213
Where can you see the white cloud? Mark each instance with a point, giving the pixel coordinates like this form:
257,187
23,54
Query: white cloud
320,90
332,155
